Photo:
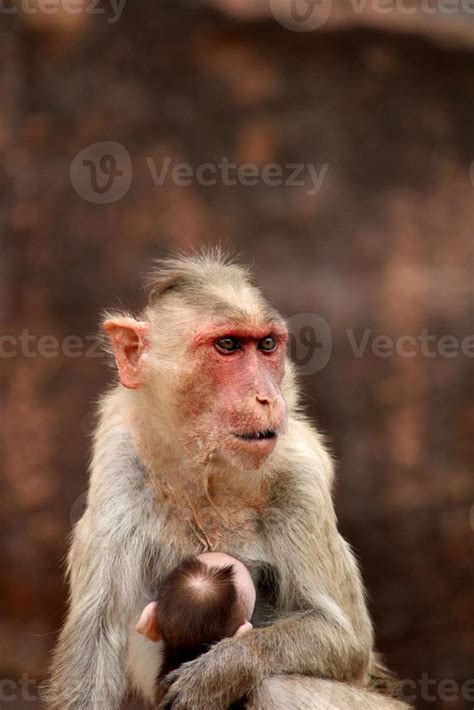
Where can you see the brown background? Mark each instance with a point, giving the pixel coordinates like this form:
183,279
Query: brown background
386,244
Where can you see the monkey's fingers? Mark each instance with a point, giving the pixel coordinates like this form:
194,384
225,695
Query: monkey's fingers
173,700
169,679
169,695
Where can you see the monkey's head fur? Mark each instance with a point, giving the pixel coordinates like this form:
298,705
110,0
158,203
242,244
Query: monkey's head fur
205,363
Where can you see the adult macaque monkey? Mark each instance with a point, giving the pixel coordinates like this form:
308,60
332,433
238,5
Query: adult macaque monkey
202,447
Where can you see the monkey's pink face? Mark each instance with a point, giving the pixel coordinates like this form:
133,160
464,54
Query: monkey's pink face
230,398
226,398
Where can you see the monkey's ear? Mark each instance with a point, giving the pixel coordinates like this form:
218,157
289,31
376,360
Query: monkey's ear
129,339
147,624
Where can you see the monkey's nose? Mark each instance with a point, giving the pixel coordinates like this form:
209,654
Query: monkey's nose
262,399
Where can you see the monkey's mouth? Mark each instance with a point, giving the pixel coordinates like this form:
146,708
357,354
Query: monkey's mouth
264,435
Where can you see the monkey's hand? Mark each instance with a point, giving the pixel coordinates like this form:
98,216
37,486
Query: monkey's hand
226,673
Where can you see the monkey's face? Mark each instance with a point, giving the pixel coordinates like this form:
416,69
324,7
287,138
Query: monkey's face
229,395
213,388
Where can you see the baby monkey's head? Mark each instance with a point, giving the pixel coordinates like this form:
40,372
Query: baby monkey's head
201,601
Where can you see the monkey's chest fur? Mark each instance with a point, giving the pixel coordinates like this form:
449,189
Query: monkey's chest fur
223,520
224,523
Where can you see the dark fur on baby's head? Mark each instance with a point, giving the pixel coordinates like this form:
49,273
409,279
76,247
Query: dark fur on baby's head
198,605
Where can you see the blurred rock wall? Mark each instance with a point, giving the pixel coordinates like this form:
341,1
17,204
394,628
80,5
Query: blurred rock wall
382,246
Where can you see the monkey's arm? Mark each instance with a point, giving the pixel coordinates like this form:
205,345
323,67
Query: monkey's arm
324,629
318,641
104,569
312,643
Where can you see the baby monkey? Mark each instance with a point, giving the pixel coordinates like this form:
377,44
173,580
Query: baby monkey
201,601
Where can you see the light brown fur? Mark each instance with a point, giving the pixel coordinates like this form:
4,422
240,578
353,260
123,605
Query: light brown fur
304,693
168,480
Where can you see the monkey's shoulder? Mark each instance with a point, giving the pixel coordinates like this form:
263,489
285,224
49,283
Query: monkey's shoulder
302,465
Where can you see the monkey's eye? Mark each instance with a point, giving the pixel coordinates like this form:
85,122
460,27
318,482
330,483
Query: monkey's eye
268,344
227,344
